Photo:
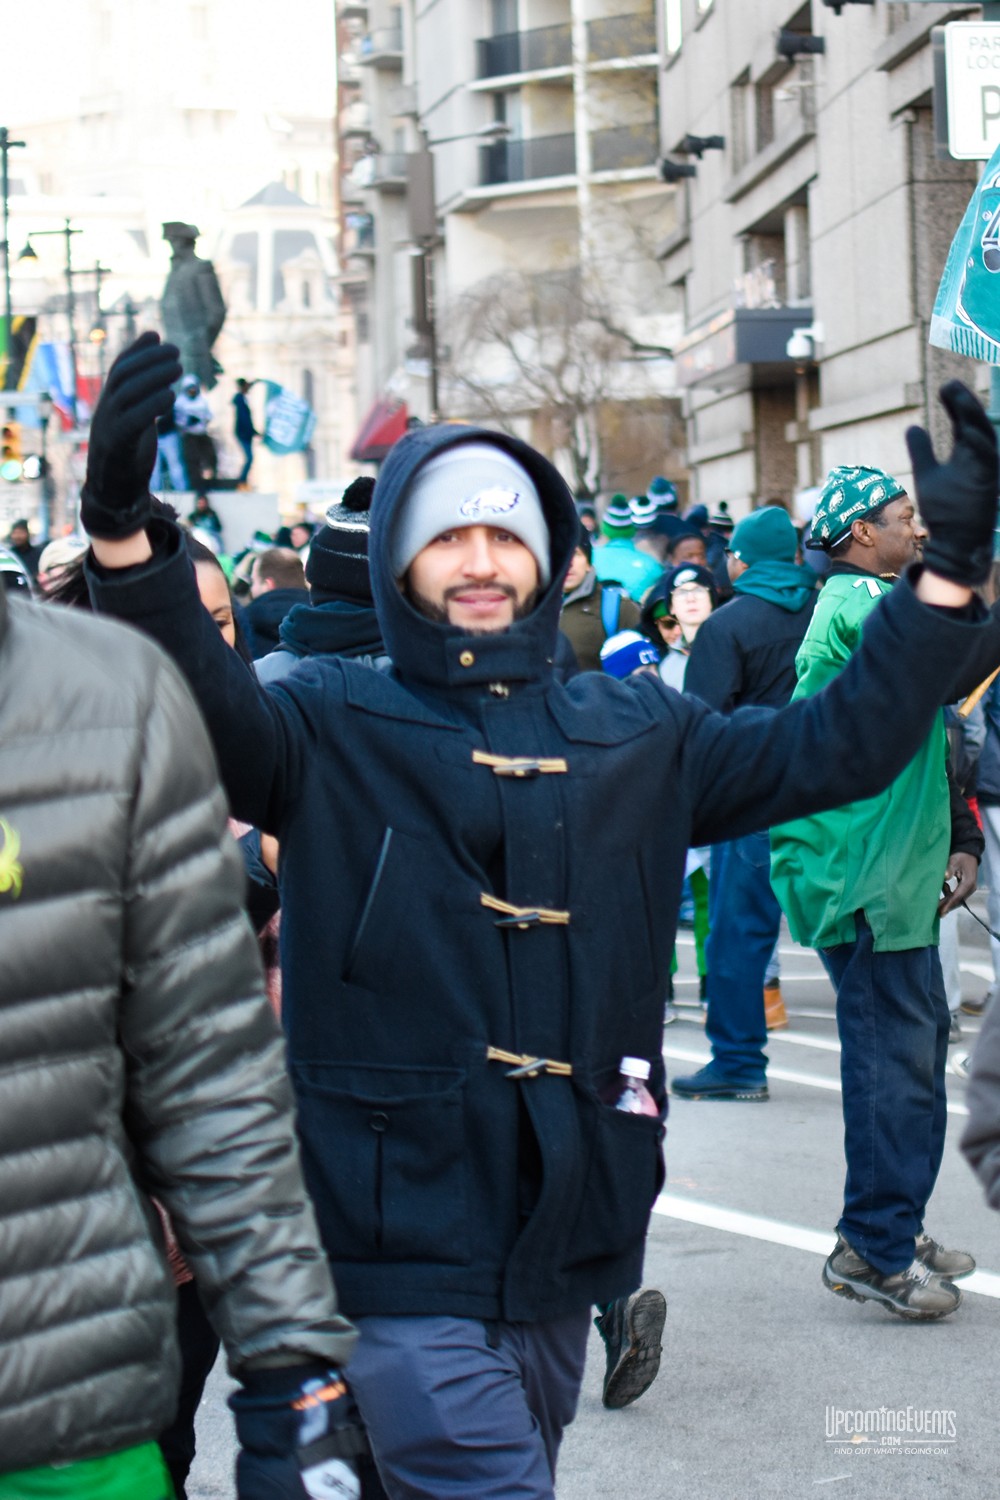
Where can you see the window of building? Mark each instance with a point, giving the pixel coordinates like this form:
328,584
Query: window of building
672,26
306,294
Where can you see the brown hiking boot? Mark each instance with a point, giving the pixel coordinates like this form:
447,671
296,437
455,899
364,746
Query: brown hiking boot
775,1015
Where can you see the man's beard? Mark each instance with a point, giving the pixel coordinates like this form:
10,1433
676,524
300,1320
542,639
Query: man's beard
439,612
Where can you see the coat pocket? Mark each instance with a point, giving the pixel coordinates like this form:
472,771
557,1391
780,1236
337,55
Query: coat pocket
624,1175
384,1157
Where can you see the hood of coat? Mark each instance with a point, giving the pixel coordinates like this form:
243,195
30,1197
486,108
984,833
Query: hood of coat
441,655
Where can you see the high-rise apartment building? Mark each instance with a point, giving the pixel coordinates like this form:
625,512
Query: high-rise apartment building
512,161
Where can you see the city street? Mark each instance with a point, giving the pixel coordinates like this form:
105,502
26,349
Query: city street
758,1356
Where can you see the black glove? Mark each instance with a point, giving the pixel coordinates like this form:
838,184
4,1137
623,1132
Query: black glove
300,1434
958,500
115,501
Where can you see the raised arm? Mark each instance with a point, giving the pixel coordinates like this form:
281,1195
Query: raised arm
139,572
850,740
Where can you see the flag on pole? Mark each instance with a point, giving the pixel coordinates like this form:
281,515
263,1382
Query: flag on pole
966,316
289,421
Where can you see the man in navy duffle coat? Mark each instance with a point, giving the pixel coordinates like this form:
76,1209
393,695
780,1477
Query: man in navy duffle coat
480,870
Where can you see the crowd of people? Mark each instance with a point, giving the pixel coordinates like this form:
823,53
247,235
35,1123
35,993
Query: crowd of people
388,1057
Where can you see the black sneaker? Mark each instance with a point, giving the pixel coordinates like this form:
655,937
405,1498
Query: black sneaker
708,1084
915,1293
954,1030
950,1263
631,1328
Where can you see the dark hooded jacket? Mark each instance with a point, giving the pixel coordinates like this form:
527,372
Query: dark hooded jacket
745,654
482,864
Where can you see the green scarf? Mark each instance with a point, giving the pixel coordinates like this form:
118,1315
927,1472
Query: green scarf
782,583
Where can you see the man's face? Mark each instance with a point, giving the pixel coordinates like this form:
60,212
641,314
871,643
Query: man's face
897,536
19,536
577,571
689,549
300,535
480,578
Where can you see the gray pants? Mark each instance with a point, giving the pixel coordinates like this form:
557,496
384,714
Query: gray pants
455,1407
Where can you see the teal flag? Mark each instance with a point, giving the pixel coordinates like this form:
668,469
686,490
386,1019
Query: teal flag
289,421
966,317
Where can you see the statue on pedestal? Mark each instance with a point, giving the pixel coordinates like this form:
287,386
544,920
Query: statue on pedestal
192,306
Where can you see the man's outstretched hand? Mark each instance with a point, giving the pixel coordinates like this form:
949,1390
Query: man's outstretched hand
115,502
958,499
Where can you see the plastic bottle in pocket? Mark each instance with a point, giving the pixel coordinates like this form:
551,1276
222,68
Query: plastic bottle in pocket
634,1097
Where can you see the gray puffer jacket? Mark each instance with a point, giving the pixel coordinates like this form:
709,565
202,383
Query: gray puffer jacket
138,1055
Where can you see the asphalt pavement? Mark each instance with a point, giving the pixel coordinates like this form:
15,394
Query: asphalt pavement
766,1375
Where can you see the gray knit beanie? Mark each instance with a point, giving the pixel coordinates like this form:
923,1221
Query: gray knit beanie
471,484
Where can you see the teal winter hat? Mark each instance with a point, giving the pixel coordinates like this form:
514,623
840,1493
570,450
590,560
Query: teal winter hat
850,493
618,521
765,535
662,493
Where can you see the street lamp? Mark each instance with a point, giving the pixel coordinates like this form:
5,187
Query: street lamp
6,145
29,253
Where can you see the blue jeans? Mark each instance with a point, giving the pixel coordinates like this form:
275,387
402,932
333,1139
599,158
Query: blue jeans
168,455
744,918
247,445
893,1021
454,1406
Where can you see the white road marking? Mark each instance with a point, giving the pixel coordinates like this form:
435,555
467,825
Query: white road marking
799,1039
782,1075
981,971
796,1236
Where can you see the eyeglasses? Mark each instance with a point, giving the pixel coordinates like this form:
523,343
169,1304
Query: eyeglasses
690,590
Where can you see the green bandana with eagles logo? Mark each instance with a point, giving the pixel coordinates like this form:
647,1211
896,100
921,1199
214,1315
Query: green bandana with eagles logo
851,492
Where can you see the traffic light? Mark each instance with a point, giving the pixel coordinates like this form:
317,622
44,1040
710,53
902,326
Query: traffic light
11,465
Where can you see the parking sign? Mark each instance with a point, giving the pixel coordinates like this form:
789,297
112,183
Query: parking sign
972,62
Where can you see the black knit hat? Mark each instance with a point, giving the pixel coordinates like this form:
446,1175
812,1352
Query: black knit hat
338,554
585,543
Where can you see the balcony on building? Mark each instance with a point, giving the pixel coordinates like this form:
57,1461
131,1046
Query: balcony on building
615,40
383,49
351,191
540,157
359,236
546,49
625,148
383,171
356,119
348,68
631,149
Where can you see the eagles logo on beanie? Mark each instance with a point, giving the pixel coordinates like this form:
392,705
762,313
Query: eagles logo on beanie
337,567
